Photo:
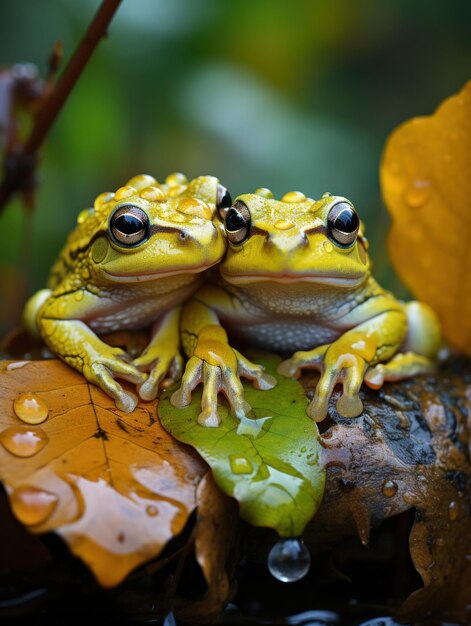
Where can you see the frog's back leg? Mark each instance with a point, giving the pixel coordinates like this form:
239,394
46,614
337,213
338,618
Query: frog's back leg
31,309
419,351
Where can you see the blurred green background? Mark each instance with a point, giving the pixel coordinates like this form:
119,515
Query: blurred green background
261,93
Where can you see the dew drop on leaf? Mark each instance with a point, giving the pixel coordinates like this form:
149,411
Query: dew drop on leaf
31,505
30,409
240,464
289,560
23,441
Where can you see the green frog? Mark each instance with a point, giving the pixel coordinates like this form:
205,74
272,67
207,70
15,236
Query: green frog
296,277
130,262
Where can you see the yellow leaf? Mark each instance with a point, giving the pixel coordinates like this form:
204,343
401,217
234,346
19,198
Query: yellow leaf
115,486
426,185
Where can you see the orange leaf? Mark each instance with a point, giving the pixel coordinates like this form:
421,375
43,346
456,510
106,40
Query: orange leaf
115,486
426,185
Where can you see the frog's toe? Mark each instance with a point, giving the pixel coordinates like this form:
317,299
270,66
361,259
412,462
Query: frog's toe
349,406
319,405
349,403
160,369
100,376
256,373
374,377
291,368
209,399
234,392
402,365
192,377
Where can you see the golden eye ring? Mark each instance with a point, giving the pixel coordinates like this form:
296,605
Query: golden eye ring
237,222
129,225
343,224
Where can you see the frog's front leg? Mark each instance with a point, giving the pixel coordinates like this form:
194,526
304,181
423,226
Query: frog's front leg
215,364
346,361
161,358
418,353
76,344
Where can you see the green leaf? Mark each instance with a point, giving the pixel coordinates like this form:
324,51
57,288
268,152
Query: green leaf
269,462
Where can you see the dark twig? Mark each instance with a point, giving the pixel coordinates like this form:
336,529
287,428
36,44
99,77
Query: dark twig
20,165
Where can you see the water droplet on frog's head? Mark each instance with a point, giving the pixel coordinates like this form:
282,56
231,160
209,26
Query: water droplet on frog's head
31,505
23,441
289,560
30,409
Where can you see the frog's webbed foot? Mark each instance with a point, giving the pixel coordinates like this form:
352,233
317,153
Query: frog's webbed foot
164,365
219,368
109,363
336,365
402,365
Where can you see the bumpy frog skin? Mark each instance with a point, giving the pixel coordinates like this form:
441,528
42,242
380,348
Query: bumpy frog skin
130,262
296,277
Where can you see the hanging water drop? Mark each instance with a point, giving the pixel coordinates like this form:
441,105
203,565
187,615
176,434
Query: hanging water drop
289,560
32,505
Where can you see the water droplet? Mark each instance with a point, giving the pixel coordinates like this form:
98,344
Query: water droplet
240,464
151,510
418,193
453,510
124,192
176,178
289,560
83,215
293,196
389,488
17,365
30,408
23,441
153,194
264,192
283,225
31,505
328,247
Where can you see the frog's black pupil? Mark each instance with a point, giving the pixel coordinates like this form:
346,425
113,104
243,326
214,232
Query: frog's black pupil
128,224
234,220
346,221
224,198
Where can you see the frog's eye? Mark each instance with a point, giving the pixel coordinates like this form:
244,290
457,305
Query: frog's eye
237,222
343,223
129,225
223,200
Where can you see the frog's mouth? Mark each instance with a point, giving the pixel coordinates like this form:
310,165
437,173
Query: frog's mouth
347,280
148,276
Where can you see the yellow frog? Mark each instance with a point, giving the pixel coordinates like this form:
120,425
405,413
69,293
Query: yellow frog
130,262
297,277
